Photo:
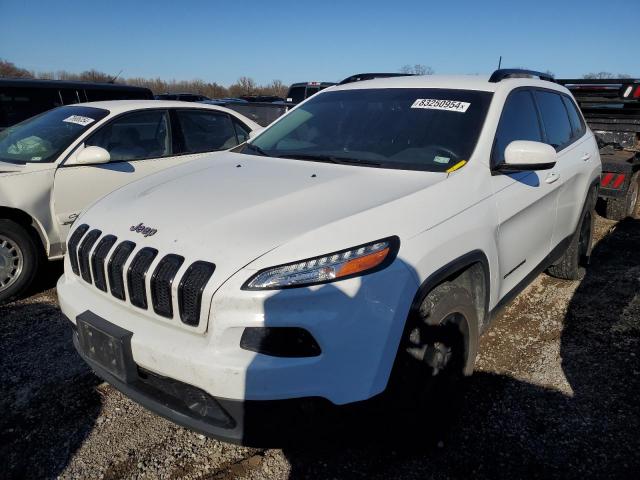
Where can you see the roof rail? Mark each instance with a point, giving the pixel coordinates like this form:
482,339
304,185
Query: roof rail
503,73
370,76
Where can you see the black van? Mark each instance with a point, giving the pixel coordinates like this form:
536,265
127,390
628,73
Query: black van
301,91
21,99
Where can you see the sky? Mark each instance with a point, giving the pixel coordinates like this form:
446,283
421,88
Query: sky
316,40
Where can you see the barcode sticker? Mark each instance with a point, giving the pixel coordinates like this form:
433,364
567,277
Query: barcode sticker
434,104
79,120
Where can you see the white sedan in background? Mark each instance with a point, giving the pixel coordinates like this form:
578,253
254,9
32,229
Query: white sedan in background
56,164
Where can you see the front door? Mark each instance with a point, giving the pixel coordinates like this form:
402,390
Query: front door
139,144
525,201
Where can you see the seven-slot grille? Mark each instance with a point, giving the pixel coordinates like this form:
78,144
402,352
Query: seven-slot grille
101,261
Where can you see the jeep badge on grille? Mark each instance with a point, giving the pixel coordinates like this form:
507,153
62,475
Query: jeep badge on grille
146,231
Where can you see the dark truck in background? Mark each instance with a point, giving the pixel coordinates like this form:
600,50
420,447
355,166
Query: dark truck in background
611,108
23,98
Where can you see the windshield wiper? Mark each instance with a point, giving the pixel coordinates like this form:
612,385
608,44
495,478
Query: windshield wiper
329,159
257,149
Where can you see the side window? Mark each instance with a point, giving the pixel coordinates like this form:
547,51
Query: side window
241,132
312,91
135,136
554,118
206,131
519,121
577,125
18,104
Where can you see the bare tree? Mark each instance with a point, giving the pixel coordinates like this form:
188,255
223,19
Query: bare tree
417,69
9,70
244,86
598,75
276,87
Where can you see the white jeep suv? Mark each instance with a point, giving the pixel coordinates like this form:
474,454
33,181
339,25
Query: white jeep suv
368,235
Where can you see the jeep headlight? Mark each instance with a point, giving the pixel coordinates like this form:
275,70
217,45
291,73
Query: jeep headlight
352,262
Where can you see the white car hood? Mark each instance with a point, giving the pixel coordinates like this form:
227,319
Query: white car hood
6,167
230,208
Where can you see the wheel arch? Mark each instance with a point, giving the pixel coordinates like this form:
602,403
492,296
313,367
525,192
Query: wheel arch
470,271
30,223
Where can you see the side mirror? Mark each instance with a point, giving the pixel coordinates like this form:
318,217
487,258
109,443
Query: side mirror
526,155
254,133
92,156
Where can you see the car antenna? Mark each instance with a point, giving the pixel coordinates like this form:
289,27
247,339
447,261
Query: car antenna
113,80
499,62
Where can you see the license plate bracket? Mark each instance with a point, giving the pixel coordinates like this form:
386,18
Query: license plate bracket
107,345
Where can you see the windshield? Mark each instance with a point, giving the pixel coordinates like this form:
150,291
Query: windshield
42,138
416,129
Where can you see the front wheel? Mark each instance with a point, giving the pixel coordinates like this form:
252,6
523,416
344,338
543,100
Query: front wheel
19,259
430,365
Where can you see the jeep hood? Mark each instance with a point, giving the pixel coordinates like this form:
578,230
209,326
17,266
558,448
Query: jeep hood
230,208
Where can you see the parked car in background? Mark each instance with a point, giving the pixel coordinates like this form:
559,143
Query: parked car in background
360,244
182,97
23,98
612,110
54,165
263,113
263,98
298,92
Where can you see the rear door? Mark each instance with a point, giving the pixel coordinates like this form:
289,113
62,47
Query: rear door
207,131
565,131
525,201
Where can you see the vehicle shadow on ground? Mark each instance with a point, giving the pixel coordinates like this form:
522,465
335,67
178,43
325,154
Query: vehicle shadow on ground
48,404
505,427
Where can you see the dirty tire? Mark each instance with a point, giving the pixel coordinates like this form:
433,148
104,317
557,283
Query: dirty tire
428,371
572,264
19,239
621,208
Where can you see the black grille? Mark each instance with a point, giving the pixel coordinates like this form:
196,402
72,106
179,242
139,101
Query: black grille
83,253
115,267
161,282
97,261
72,246
190,291
136,276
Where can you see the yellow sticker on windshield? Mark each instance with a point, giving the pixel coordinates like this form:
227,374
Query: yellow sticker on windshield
457,166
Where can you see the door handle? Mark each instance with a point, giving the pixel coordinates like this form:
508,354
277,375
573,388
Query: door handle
552,177
585,157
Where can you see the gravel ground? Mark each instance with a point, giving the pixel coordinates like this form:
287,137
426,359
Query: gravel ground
555,394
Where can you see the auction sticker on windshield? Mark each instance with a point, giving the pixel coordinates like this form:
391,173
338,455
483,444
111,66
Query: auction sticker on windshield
79,120
435,104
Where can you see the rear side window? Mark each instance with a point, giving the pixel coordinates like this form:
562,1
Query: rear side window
555,119
135,136
577,126
296,94
18,104
241,132
519,121
206,131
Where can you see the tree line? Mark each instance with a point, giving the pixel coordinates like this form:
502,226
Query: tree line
243,86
